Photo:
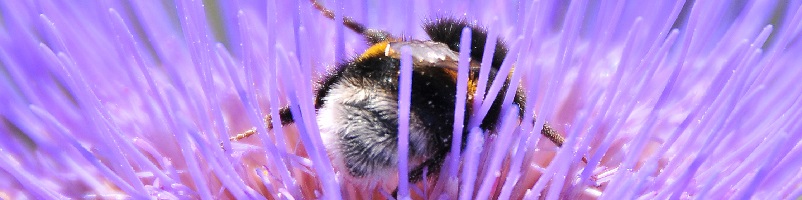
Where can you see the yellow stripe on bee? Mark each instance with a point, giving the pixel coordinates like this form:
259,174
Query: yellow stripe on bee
375,50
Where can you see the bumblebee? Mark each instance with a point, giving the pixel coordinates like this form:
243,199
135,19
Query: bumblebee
357,103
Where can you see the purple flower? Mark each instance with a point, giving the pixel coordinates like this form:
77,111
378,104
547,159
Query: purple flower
656,99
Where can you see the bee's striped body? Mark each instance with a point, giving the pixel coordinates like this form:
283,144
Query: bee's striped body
357,104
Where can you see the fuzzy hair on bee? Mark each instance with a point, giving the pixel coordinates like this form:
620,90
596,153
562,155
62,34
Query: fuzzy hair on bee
357,103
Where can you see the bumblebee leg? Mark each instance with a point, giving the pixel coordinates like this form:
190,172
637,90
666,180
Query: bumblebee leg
284,114
552,134
556,138
247,133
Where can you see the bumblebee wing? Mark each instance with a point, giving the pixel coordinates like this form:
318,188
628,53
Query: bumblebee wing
448,31
425,54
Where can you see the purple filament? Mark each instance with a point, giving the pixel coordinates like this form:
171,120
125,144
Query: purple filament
667,99
404,91
459,107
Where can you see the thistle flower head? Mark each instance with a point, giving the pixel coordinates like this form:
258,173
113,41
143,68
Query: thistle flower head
655,99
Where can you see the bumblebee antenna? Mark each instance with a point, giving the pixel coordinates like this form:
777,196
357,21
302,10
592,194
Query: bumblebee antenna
347,21
371,35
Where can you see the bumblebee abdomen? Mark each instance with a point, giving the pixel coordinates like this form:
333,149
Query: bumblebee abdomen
358,114
357,105
358,111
